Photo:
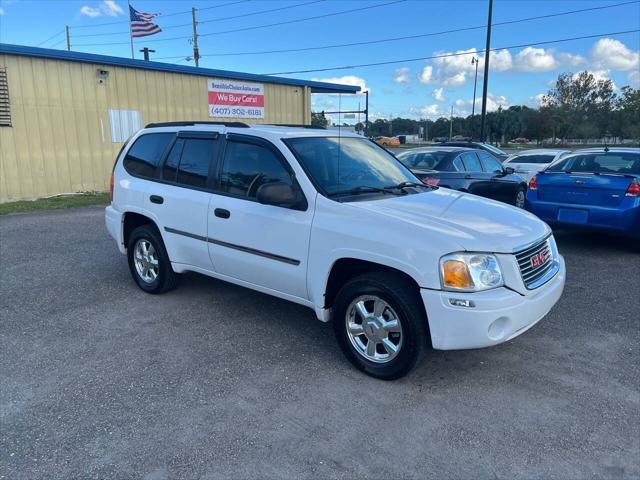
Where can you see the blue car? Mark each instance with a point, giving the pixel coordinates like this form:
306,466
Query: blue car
594,188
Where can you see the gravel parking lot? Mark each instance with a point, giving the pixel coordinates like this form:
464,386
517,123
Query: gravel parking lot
100,380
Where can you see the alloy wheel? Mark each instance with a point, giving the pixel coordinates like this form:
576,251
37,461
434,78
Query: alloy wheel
145,260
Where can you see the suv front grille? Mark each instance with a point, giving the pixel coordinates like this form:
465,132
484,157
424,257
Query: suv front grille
535,262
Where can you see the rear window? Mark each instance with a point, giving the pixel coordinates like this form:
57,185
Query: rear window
599,163
144,156
540,158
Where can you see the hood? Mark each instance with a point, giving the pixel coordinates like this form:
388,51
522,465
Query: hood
476,223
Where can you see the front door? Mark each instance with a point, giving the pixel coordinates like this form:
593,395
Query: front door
263,245
503,186
478,182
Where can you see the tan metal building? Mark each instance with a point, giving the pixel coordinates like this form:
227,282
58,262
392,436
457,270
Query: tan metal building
64,115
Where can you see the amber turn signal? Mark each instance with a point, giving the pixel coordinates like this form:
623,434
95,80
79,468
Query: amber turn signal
456,274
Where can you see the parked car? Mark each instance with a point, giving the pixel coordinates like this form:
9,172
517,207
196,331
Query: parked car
595,188
487,147
387,141
467,170
520,140
528,163
337,224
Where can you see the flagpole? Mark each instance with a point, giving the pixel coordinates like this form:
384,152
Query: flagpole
130,30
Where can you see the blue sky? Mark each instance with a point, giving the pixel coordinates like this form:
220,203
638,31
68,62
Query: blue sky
408,89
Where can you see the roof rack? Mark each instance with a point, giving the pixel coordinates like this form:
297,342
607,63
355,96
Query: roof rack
294,125
188,124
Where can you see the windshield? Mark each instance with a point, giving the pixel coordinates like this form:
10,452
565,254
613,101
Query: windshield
336,164
493,149
599,163
427,160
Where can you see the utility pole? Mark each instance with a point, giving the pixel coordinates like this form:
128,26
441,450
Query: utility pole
146,51
486,72
196,52
451,123
474,60
68,37
366,113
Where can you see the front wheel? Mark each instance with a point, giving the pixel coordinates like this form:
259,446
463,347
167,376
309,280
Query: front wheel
380,324
520,196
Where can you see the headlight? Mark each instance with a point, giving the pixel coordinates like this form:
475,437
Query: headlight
470,272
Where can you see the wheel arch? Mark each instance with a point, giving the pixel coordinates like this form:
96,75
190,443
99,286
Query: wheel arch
132,220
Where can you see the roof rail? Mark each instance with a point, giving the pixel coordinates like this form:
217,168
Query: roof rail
188,124
294,125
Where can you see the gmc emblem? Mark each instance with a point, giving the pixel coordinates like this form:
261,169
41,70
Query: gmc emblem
538,259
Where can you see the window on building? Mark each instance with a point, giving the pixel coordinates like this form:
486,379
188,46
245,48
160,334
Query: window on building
5,110
123,124
145,154
247,166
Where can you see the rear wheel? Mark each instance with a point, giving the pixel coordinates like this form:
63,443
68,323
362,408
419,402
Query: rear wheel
148,261
380,324
520,196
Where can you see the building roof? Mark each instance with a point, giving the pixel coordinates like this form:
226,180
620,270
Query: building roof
316,87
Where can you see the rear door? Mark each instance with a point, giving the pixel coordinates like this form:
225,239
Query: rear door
264,245
181,198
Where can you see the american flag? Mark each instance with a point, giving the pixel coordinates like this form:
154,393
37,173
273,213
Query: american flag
141,24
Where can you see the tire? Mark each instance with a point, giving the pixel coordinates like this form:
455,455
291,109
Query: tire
403,303
161,277
521,195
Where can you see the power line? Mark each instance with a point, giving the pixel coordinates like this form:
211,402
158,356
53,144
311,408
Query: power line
432,57
167,27
420,35
120,22
253,27
51,37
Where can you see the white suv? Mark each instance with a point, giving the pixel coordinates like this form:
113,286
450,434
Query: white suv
336,223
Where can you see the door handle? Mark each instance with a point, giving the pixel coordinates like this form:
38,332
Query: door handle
156,199
222,213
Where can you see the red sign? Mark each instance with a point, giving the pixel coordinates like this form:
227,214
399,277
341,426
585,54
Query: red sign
236,99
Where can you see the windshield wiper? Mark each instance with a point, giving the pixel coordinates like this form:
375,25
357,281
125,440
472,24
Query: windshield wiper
364,189
402,185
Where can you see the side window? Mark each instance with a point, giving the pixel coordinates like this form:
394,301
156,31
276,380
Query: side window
197,154
173,159
471,162
489,163
145,154
247,166
458,165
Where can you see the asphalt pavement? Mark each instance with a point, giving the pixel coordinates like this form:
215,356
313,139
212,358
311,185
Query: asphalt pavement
100,380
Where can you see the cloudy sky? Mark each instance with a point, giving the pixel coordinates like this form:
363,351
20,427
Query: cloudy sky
240,35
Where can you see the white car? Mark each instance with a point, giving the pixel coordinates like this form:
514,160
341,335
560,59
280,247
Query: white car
337,224
529,162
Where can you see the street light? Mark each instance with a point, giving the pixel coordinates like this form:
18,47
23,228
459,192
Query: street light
474,60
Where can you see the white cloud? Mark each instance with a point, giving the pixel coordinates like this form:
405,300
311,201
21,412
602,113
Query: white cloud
500,61
401,75
455,81
615,55
426,76
570,59
634,78
533,59
90,12
438,94
107,8
1,11
493,103
537,100
425,111
347,80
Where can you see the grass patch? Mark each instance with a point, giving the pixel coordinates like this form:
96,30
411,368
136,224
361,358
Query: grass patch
53,203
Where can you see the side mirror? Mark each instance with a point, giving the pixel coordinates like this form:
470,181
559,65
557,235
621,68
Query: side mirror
509,170
281,194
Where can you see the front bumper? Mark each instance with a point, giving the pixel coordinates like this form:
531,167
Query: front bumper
113,221
498,316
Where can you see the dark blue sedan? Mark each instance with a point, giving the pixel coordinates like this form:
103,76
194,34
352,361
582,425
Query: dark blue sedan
595,188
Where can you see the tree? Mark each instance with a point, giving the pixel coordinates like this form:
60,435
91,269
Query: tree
319,120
